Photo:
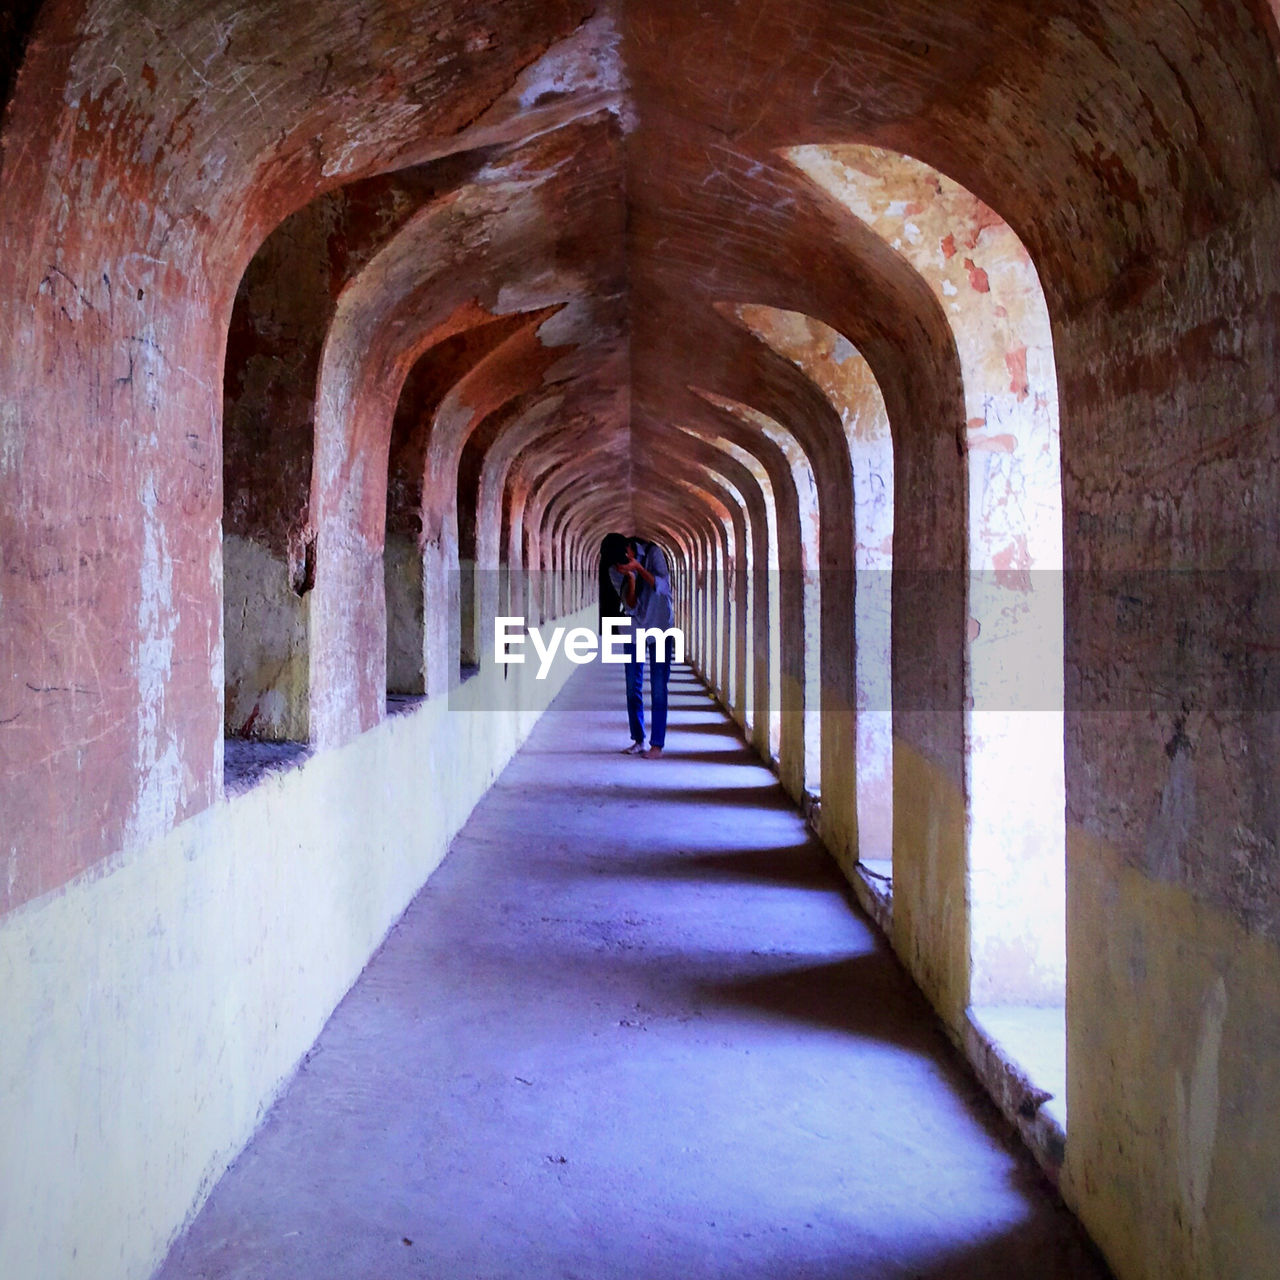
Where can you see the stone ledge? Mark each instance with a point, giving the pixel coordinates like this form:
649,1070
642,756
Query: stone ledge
874,892
997,1055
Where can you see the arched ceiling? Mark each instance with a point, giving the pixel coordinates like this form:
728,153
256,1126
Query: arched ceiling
408,168
635,171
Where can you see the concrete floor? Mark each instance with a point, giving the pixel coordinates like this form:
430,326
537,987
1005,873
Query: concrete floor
632,1028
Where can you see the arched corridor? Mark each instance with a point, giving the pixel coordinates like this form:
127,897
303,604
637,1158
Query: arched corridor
632,1027
936,348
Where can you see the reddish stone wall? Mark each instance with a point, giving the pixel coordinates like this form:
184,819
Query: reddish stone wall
151,158
404,175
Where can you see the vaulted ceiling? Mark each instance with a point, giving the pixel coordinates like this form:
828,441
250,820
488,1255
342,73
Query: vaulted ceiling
256,225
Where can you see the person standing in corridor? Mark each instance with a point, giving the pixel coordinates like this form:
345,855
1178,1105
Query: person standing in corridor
639,575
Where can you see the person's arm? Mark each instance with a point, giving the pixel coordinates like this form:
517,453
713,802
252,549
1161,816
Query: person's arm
660,577
656,573
633,567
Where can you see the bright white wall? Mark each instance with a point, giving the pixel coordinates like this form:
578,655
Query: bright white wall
150,1013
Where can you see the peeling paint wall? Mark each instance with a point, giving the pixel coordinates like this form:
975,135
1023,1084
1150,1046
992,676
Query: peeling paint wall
987,285
628,167
143,163
864,832
266,631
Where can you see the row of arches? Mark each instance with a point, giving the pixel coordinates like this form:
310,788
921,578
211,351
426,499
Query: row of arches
429,509
793,585
446,486
294,325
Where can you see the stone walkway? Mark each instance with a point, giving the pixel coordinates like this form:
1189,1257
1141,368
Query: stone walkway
632,1028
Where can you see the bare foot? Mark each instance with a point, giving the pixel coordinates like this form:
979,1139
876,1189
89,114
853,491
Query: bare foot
654,753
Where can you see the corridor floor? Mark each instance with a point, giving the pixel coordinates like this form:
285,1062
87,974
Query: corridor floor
632,1028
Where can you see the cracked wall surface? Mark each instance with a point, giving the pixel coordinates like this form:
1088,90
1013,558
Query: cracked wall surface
316,353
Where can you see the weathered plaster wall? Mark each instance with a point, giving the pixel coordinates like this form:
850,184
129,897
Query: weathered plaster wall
409,297
152,157
402,577
153,1008
284,306
799,702
763,638
1133,148
1171,823
987,286
266,627
848,382
1184,1185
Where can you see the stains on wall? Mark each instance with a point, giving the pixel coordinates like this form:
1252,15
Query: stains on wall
838,368
394,168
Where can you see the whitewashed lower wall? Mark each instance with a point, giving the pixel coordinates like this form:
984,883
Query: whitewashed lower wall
151,1012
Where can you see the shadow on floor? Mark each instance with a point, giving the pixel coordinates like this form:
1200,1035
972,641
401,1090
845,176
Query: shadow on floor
767,795
831,995
716,726
1040,1249
798,866
725,755
630,1029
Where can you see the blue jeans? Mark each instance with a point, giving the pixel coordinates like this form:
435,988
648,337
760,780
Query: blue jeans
659,674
